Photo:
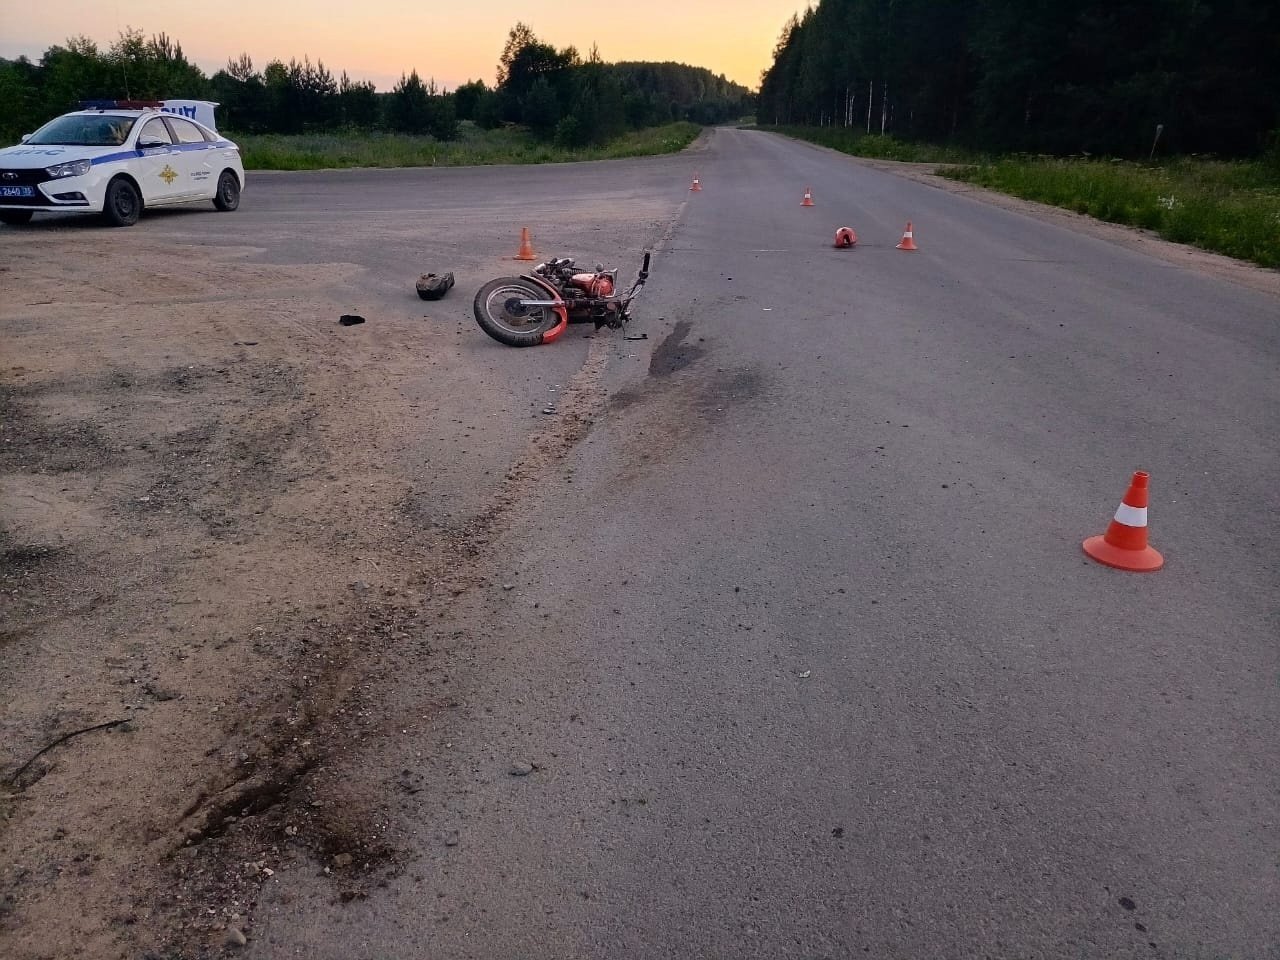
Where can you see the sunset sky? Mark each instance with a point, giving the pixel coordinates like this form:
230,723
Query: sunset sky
377,40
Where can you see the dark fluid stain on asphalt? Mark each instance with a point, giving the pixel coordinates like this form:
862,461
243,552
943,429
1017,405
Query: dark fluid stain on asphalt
1127,903
625,398
673,354
710,396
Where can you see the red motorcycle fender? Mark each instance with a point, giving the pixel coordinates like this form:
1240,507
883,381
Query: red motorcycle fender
561,310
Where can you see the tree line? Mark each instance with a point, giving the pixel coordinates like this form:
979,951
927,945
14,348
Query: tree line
557,94
1103,77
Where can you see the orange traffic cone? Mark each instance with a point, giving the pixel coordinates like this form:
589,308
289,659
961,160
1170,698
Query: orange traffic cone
808,198
526,246
845,237
908,239
1124,545
697,186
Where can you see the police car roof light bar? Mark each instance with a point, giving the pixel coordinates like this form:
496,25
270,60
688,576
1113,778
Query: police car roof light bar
120,104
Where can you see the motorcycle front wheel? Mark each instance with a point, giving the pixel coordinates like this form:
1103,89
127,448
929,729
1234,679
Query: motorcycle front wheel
501,315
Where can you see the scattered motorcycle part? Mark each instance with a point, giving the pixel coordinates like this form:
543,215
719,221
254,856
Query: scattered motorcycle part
350,319
433,286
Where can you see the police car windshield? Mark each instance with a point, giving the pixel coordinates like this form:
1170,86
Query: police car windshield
84,130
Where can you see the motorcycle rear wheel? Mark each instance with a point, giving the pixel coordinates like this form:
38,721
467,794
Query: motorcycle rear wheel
500,315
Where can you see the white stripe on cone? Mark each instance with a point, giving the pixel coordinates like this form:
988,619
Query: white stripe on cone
1131,516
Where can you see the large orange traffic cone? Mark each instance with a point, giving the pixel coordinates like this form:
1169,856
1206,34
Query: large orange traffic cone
526,246
697,186
808,198
1124,545
908,241
845,237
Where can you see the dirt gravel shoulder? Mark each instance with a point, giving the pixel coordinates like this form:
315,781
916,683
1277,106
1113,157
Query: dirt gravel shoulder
228,526
216,512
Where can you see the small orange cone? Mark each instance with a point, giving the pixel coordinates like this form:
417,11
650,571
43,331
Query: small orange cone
526,246
808,198
1124,545
845,237
908,239
697,186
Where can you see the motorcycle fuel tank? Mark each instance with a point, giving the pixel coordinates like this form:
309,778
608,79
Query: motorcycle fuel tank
596,285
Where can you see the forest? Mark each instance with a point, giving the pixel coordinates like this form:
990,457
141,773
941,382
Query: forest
1060,77
559,95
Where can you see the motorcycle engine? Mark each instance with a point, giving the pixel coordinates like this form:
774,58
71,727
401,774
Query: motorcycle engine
562,271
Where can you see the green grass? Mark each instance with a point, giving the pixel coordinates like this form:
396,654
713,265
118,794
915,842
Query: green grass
473,147
1227,207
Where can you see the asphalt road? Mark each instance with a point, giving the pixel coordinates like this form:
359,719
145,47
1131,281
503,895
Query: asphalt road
802,645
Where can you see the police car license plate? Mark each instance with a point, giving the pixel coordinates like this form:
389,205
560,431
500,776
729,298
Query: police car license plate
17,191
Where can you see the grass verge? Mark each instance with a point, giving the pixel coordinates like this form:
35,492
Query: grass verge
474,147
1230,208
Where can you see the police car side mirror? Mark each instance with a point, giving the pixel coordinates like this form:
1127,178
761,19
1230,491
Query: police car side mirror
25,138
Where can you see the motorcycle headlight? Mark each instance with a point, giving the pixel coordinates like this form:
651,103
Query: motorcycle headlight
76,168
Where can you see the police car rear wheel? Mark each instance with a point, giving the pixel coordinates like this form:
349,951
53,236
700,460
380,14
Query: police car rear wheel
15,218
123,204
228,196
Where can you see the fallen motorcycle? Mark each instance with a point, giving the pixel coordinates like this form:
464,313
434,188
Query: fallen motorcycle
537,307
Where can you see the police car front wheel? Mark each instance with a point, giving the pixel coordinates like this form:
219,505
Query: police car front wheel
228,196
123,203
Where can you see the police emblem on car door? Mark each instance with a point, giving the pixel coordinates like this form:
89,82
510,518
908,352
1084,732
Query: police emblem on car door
193,156
159,167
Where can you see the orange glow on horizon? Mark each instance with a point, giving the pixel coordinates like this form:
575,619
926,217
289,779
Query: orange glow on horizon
390,37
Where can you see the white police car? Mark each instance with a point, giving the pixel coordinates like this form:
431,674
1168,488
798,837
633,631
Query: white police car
117,160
